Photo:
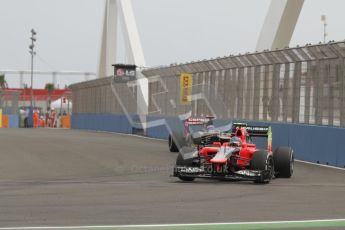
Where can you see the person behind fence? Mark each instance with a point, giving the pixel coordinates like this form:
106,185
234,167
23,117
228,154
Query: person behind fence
36,118
52,118
26,118
58,121
47,118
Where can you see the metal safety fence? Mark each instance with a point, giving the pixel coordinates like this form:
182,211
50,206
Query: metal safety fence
298,85
293,85
9,101
96,96
9,108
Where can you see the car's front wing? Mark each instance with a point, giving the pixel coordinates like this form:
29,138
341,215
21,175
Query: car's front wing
199,172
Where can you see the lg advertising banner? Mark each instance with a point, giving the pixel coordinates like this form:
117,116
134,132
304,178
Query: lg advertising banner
124,73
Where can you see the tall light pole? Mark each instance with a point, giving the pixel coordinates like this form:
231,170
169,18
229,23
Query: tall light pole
32,52
323,18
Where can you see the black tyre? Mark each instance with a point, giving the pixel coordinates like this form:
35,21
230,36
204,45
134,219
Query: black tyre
172,146
263,161
176,141
284,162
181,162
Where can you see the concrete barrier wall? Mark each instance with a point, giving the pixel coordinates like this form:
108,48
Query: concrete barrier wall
13,121
101,122
311,143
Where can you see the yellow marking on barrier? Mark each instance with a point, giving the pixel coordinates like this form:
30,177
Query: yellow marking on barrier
186,81
0,118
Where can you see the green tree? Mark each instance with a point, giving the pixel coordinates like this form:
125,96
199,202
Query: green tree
50,88
3,83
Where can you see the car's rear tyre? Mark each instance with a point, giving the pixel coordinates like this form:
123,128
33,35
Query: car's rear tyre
284,162
181,162
172,146
263,161
176,141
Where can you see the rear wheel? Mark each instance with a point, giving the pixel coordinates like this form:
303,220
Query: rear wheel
176,141
284,162
172,146
263,161
181,162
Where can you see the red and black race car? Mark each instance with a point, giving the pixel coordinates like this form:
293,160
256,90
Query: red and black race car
192,125
233,155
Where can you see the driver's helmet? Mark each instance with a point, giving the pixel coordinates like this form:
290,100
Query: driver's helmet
235,142
210,128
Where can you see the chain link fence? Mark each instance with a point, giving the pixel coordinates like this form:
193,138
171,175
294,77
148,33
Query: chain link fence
9,101
293,85
96,96
298,85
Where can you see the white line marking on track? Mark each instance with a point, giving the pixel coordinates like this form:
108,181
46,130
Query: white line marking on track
173,225
126,134
321,165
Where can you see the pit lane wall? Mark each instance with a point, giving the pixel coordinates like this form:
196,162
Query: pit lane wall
300,91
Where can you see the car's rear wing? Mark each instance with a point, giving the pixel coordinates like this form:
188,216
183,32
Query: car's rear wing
256,131
237,125
193,121
196,121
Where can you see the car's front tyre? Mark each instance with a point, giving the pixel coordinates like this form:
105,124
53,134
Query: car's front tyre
172,146
263,161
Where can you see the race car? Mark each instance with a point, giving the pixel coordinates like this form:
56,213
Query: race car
192,126
234,156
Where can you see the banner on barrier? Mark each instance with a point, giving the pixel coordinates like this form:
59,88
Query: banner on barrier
0,118
124,73
5,121
186,81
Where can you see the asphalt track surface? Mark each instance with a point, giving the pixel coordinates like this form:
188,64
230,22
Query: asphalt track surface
77,178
